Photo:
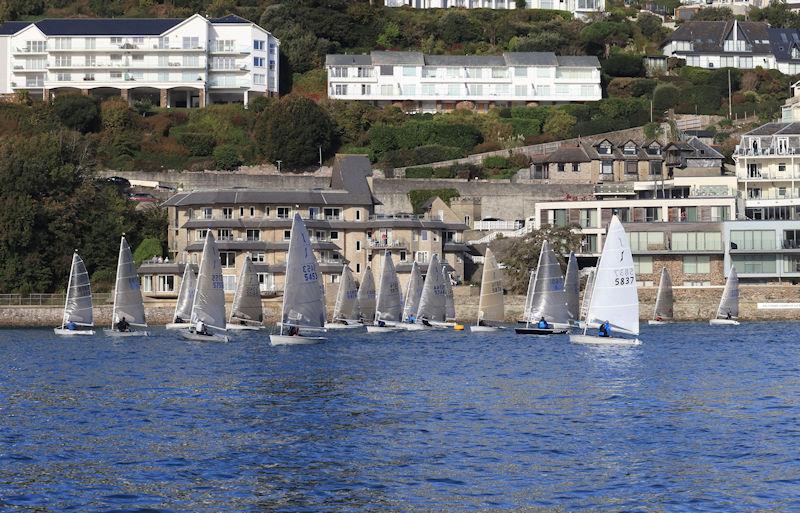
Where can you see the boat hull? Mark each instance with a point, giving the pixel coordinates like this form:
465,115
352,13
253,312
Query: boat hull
577,338
384,329
485,329
350,328
293,340
177,326
533,330
72,333
243,327
723,322
443,325
196,337
653,322
116,333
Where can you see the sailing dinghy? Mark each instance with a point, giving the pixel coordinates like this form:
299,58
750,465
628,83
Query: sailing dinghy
183,306
345,311
247,313
303,295
490,305
587,298
663,311
78,306
412,296
128,304
366,297
728,310
614,296
433,301
546,298
449,302
389,307
208,308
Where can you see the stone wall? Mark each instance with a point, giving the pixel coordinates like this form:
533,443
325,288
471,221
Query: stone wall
221,179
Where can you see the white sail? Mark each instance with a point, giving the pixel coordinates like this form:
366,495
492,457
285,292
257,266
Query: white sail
247,306
664,299
490,304
614,296
730,297
303,296
413,293
433,302
208,306
449,299
390,302
366,296
128,302
547,298
78,306
572,287
346,307
183,307
526,312
587,295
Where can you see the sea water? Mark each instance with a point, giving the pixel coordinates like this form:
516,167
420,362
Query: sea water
696,419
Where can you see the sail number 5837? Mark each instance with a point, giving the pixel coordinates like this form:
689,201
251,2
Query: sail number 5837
623,277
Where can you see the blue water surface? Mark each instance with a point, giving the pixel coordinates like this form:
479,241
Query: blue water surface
696,419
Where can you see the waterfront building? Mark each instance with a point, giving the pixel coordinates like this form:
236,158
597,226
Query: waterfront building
763,251
341,221
689,8
171,62
434,83
580,8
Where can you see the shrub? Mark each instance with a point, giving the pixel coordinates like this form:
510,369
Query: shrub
226,157
421,155
259,103
103,280
643,87
116,114
624,65
665,96
419,172
78,112
525,127
147,249
495,162
418,197
198,144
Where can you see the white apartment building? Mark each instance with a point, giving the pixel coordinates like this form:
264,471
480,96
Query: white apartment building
580,8
173,62
433,83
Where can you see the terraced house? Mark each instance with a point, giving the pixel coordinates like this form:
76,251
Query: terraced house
580,8
341,220
434,83
188,62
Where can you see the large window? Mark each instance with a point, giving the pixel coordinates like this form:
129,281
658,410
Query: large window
752,239
791,264
560,217
697,241
646,241
228,259
284,212
643,264
166,283
700,264
754,264
224,234
588,218
253,235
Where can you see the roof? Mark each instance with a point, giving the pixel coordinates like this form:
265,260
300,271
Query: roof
464,60
530,58
107,26
709,36
578,61
398,58
12,27
566,154
231,18
350,173
344,59
776,128
782,41
388,58
703,150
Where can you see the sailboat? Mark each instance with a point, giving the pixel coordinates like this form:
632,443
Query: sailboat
663,310
208,306
614,297
572,288
78,306
128,304
345,311
183,306
728,309
490,303
433,301
587,298
366,296
247,313
389,307
413,295
303,295
449,302
546,297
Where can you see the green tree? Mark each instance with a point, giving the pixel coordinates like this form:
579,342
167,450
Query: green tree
624,65
147,249
78,112
390,35
665,96
606,34
559,124
293,130
226,157
650,26
521,4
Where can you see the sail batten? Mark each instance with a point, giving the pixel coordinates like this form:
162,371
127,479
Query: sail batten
729,303
547,297
78,305
433,302
303,296
664,308
614,296
128,302
490,304
209,297
413,293
246,305
572,287
346,307
390,302
367,296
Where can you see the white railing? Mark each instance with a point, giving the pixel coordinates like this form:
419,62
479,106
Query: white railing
495,225
521,232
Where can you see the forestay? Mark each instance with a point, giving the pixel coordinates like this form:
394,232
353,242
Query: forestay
183,307
614,296
247,299
127,292
303,297
390,302
432,303
572,287
366,295
547,297
490,304
78,307
413,293
209,296
664,299
346,307
730,297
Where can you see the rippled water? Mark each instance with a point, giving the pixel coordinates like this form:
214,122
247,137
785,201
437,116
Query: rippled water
696,419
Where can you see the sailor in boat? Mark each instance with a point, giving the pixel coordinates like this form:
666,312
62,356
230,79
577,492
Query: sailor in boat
728,316
542,325
412,319
659,318
604,330
178,320
201,329
294,331
425,322
72,326
123,325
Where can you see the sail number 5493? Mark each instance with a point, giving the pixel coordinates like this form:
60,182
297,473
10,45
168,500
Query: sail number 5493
309,273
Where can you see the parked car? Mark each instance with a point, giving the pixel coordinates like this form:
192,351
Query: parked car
121,183
142,197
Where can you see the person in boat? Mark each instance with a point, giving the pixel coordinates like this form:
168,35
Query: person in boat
604,330
412,319
381,323
201,329
71,326
659,318
425,322
178,320
728,315
542,324
123,325
294,331
341,321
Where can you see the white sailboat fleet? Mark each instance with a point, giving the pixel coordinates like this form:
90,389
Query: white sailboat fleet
128,310
183,306
663,311
247,313
346,313
78,316
389,306
491,309
207,320
728,310
546,311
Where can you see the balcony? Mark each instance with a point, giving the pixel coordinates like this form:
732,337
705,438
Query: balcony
765,152
496,225
228,50
387,244
614,189
237,83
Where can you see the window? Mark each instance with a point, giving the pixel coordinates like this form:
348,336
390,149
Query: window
499,73
646,241
147,283
428,90
629,150
259,258
607,167
746,62
35,46
700,264
287,234
228,259
752,239
475,89
654,149
754,264
62,43
334,235
258,44
520,90
259,79
358,214
576,167
402,256
655,167
116,40
363,72
64,77
253,235
138,58
409,71
366,89
358,268
453,89
782,167
229,283
90,43
560,217
520,71
191,61
34,81
91,61
284,212
387,70
652,214
358,245
561,167
189,43
340,89
166,283
224,234
410,89
604,148
587,90
223,45
588,218
543,72
205,213
697,241
63,61
220,62
643,264
227,213
258,62
726,61
163,43
631,167
332,213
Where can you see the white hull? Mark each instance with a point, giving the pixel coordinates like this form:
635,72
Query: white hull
351,328
116,333
653,322
611,341
72,333
485,329
293,340
177,326
384,329
243,327
190,335
443,325
723,322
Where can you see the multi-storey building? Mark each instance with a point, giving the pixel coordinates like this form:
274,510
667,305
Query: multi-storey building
172,62
433,83
740,7
341,220
580,8
763,251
